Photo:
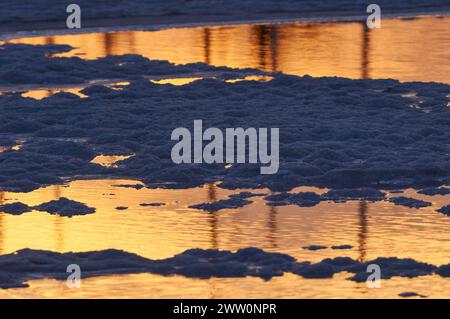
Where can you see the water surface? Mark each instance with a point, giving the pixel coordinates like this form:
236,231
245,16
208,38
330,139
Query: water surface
404,49
407,50
157,232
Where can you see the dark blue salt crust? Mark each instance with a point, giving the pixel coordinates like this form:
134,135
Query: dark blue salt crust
15,208
342,247
431,191
232,202
22,64
310,199
152,204
392,267
6,141
65,207
408,294
445,210
42,10
135,186
27,264
315,247
245,195
409,202
368,194
334,132
319,247
305,199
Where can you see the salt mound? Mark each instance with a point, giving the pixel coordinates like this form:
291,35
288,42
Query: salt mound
26,264
409,202
431,191
15,208
233,202
65,207
330,137
445,210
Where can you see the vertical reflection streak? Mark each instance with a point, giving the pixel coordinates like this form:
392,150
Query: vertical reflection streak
207,45
261,54
212,197
108,43
274,47
317,49
365,64
58,223
363,229
273,226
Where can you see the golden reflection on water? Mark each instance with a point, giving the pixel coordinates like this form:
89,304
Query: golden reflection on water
404,49
373,229
362,234
13,148
177,287
259,78
399,50
109,160
176,81
40,94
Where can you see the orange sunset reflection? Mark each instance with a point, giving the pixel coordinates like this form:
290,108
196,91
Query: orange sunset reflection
398,50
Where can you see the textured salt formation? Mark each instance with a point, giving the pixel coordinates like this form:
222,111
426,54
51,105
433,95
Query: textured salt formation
431,191
27,264
319,247
315,247
233,202
408,294
65,207
25,65
342,247
392,267
368,194
6,142
135,186
335,133
306,199
445,210
310,199
409,202
15,208
444,270
244,195
41,10
152,204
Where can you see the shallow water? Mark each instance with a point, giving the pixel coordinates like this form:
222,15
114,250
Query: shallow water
404,49
157,232
398,50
